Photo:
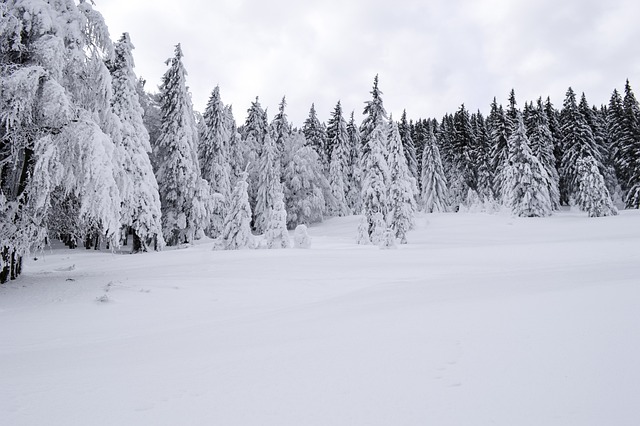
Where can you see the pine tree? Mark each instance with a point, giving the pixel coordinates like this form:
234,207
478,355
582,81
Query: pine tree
481,152
577,142
268,184
54,95
374,185
401,189
213,155
280,128
629,147
339,165
304,183
253,134
237,229
409,147
140,208
498,127
375,117
316,136
593,196
355,167
276,235
525,188
435,195
542,146
178,171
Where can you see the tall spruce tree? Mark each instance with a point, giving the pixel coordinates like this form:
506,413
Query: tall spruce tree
629,147
316,136
435,194
525,187
339,165
182,191
355,167
140,208
213,155
268,184
236,233
498,127
577,142
408,145
402,204
593,196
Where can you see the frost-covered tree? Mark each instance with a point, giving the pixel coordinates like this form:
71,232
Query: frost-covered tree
268,184
140,208
213,156
375,116
434,195
408,145
276,235
178,171
237,225
542,145
253,134
316,136
54,100
593,196
339,165
304,183
577,142
402,204
498,126
362,236
376,176
280,128
301,238
525,180
355,167
629,147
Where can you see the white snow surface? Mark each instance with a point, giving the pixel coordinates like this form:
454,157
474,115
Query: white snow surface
480,320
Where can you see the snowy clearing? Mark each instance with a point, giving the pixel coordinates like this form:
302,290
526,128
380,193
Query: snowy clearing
480,320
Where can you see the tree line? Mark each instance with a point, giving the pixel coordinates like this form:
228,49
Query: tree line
89,157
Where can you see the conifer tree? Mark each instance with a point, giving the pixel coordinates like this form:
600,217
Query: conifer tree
316,136
481,152
542,145
374,185
375,116
408,145
339,165
253,134
268,185
213,155
182,193
577,142
237,229
355,167
276,234
434,195
280,128
140,208
401,187
498,127
304,183
593,196
525,188
629,147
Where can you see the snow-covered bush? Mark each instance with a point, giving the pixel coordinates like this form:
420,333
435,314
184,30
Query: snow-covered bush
301,238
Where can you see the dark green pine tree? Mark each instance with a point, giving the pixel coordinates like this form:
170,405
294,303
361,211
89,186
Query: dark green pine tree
316,136
616,134
482,157
498,126
512,113
578,142
630,146
408,145
542,145
553,117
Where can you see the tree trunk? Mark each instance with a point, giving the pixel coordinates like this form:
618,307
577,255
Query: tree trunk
137,243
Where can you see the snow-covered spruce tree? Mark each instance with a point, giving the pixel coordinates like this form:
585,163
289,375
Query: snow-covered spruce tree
178,170
213,156
236,233
577,142
280,128
541,141
276,235
268,184
253,133
374,116
525,187
362,236
482,157
374,186
304,183
593,196
339,165
51,58
301,238
629,147
355,167
463,155
316,136
408,145
140,208
402,204
498,126
235,152
435,194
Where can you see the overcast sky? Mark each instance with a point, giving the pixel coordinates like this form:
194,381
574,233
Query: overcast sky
431,55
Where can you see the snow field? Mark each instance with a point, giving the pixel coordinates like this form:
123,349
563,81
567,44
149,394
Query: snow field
480,319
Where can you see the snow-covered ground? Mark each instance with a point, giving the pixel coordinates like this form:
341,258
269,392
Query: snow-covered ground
480,320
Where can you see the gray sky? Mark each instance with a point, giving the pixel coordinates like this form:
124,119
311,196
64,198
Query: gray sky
431,55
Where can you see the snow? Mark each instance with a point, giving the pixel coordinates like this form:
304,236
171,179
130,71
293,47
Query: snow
479,320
